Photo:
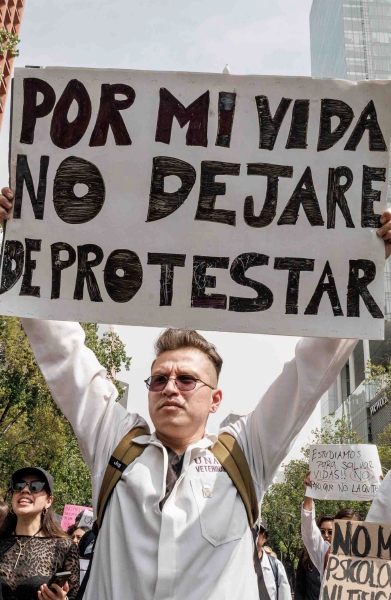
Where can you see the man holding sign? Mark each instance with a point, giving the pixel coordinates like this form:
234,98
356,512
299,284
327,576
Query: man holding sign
175,525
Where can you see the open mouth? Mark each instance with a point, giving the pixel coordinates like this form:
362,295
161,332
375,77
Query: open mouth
24,501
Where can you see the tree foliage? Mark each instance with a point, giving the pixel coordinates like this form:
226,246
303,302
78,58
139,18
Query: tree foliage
32,429
380,376
8,43
281,507
384,447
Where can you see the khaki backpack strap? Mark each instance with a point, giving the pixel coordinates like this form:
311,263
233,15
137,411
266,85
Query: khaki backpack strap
125,453
232,459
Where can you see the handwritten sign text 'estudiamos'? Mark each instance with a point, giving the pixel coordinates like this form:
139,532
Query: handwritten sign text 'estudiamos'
235,203
344,471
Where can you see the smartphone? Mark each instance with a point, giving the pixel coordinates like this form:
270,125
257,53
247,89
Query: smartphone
59,578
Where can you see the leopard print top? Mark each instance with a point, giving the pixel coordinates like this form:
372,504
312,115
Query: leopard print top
42,557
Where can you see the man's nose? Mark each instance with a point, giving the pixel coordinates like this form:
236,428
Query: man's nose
171,387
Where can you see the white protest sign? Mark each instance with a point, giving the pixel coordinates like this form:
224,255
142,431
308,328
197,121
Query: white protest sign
216,202
87,519
344,472
359,566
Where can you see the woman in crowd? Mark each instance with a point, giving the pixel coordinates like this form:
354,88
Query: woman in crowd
319,547
76,533
307,583
33,547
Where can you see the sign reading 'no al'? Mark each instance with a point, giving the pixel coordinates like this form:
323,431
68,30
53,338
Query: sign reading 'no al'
198,200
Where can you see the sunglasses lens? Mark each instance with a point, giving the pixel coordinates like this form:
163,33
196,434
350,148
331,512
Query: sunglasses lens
36,486
156,383
18,486
185,383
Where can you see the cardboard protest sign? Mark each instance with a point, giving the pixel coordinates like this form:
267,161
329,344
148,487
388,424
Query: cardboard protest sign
217,202
70,513
359,566
344,472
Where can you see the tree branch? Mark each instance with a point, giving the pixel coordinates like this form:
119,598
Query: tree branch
6,410
12,422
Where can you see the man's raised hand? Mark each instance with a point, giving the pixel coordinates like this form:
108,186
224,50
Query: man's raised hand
385,231
6,198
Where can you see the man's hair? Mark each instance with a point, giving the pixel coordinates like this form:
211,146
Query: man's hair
174,339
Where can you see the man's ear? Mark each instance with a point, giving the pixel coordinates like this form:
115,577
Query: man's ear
217,397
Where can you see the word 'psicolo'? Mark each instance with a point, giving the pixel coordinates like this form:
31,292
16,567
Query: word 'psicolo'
359,567
209,201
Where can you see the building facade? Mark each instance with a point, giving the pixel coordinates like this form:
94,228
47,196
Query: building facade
11,12
351,39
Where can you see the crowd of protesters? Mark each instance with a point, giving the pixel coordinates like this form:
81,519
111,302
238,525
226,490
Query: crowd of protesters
33,547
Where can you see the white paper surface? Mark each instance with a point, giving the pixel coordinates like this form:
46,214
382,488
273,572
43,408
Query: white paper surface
87,519
344,472
180,296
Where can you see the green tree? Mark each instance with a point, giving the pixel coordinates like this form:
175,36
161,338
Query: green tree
384,447
32,429
281,507
380,375
109,350
8,43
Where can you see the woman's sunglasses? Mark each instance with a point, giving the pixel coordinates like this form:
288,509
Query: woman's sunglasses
326,531
33,486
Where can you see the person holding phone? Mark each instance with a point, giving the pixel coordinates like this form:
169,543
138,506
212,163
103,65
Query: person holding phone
34,549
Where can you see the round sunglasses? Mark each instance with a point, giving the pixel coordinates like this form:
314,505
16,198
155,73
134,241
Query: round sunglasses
33,486
184,383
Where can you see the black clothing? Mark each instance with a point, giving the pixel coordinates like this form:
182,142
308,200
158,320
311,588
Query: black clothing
86,545
41,558
307,585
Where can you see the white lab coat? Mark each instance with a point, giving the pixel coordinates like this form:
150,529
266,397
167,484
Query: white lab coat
284,589
380,511
197,547
316,546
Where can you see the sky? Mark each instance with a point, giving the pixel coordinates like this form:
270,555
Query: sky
265,37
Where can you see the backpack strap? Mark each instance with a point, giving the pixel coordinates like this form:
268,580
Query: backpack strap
232,459
274,566
125,453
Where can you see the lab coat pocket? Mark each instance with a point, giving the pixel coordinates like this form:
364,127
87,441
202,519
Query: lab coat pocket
222,514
